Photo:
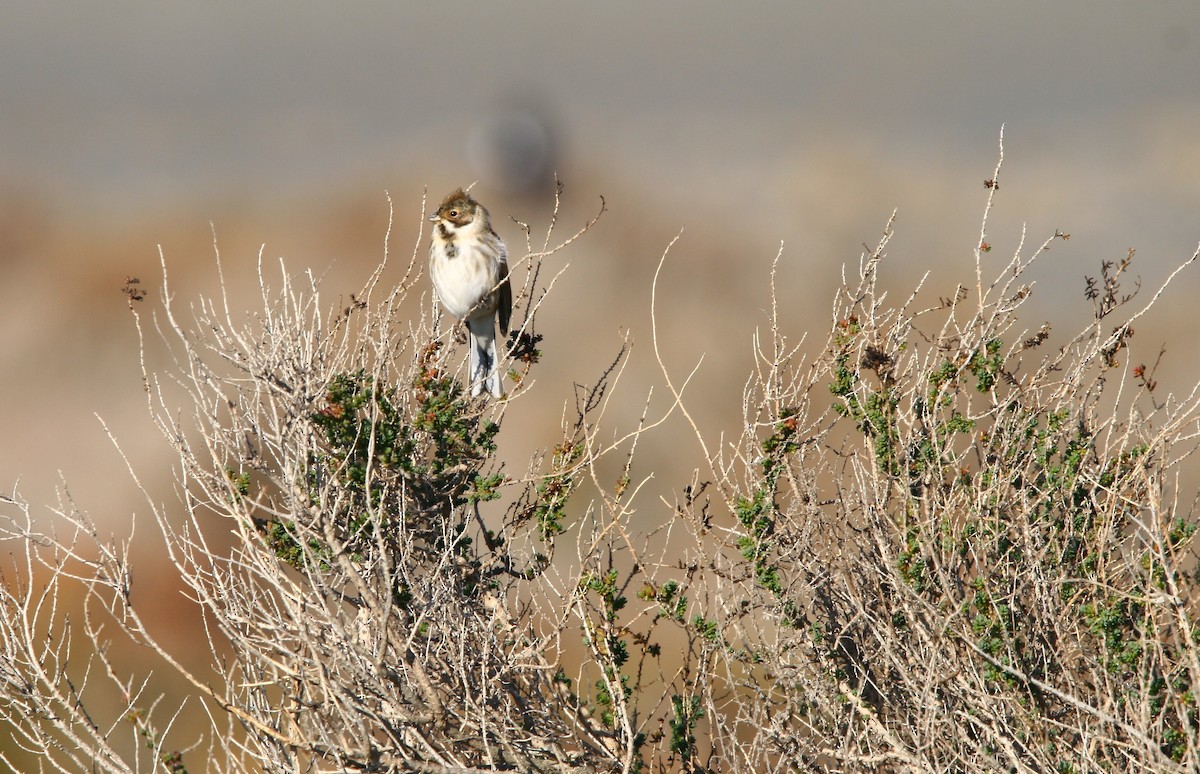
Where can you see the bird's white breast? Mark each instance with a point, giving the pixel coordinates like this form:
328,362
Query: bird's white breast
464,279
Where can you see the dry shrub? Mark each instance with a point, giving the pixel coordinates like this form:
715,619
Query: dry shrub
939,544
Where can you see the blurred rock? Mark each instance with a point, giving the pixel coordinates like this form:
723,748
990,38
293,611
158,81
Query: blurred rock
513,151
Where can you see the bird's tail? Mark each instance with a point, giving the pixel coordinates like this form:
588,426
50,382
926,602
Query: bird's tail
484,363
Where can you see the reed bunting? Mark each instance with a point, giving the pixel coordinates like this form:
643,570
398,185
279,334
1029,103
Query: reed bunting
468,264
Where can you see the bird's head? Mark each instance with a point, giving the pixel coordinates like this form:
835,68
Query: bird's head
459,211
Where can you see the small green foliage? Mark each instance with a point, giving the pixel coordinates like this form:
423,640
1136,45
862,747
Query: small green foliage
1114,622
239,481
673,603
844,379
685,713
957,423
374,437
756,515
1180,532
606,587
708,629
911,563
612,643
1176,743
874,414
987,365
554,489
783,441
604,698
283,539
943,375
484,488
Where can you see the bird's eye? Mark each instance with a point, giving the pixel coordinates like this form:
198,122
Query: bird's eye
453,213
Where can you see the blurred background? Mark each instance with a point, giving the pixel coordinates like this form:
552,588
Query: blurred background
125,126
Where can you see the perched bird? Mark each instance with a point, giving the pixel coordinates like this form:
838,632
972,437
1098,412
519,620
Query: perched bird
468,264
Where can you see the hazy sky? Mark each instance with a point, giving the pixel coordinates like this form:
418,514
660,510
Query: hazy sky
128,102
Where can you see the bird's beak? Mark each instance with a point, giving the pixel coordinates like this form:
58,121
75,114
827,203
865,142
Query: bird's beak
433,218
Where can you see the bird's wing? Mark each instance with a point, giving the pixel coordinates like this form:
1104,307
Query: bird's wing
504,305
